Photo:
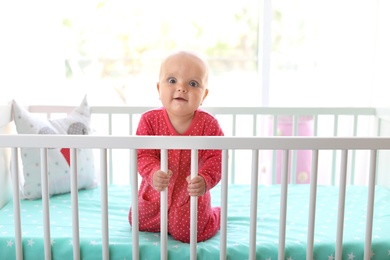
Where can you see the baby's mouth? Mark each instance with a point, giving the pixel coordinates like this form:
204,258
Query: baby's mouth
179,99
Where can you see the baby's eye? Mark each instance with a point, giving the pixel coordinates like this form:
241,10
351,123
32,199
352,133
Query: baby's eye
172,80
194,83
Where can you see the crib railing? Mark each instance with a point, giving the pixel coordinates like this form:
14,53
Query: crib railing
249,121
226,144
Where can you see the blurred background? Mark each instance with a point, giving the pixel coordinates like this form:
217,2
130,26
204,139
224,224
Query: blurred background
261,53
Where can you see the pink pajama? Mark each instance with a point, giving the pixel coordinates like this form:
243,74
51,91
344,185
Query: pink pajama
156,122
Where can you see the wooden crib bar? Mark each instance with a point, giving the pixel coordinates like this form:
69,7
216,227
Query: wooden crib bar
16,201
45,203
164,208
370,203
312,205
104,203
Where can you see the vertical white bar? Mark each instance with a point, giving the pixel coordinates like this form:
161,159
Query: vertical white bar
164,209
293,168
130,124
378,125
370,205
104,203
355,127
254,127
315,125
224,198
341,207
312,205
134,202
274,152
253,208
111,170
194,207
283,205
233,153
75,203
335,133
45,203
16,201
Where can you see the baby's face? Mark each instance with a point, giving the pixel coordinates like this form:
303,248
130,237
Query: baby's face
183,84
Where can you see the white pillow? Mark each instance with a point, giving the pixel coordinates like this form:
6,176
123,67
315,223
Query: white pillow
77,122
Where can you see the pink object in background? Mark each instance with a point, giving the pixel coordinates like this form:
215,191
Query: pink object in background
302,157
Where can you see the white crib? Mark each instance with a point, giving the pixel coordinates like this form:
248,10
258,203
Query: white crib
354,137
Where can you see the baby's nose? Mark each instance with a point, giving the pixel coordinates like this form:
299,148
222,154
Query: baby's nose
181,88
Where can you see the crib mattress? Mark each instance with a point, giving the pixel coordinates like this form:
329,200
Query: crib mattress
120,238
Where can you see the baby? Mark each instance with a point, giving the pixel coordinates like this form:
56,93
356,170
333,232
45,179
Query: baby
182,88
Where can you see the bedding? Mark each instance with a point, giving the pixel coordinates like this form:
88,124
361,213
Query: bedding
120,238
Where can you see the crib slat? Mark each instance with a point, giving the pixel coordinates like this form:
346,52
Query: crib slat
283,205
254,127
341,205
75,204
233,152
111,170
315,125
370,204
312,205
253,207
274,133
335,133
378,124
194,207
45,203
353,156
16,201
104,203
134,203
293,168
224,195
164,209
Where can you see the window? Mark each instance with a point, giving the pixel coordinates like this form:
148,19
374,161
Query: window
120,44
272,52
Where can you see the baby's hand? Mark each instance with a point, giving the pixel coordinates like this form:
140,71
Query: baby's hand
161,180
196,186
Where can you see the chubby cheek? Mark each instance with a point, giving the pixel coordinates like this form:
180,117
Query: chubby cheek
165,98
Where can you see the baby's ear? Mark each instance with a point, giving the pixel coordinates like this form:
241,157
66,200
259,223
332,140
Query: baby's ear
206,92
158,89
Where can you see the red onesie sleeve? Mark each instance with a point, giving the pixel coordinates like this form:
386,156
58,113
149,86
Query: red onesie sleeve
210,160
148,160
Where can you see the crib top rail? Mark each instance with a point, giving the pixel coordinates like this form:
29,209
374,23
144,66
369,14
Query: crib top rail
195,142
299,111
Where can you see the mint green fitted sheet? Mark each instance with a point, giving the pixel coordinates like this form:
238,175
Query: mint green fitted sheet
120,238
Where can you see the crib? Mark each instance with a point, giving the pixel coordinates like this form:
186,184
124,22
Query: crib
297,183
